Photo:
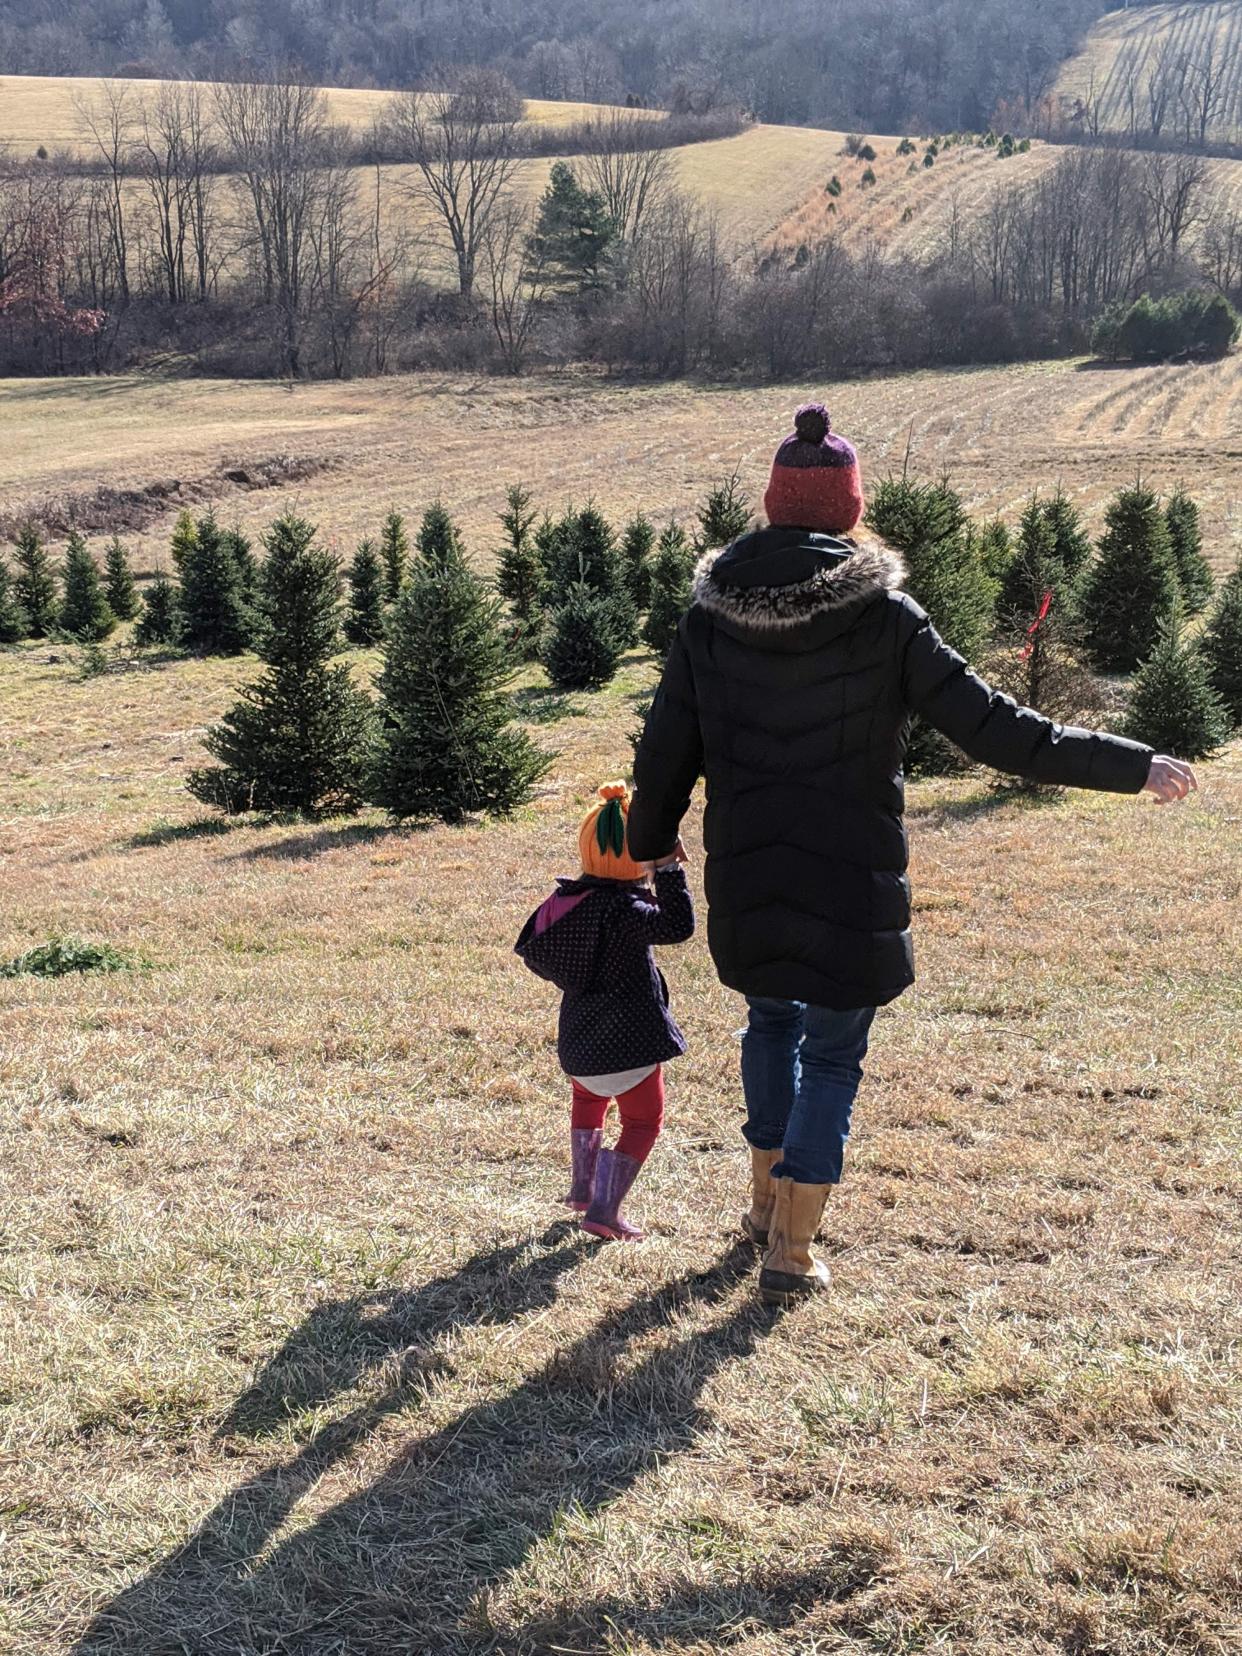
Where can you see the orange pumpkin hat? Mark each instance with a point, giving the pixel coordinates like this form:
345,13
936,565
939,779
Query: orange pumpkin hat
601,839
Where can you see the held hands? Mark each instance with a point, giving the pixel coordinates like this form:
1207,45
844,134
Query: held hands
1169,780
677,855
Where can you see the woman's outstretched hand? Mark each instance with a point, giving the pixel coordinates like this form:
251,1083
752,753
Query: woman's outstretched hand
1169,779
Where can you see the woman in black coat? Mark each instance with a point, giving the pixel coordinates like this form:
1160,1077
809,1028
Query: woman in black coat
790,687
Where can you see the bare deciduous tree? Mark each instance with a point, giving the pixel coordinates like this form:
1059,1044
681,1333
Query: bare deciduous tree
515,280
1172,187
464,151
632,177
1205,89
110,122
282,144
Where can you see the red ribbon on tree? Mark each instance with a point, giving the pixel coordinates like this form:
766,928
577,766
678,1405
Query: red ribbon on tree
1037,623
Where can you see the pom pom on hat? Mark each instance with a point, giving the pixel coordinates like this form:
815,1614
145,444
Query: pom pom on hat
811,422
601,839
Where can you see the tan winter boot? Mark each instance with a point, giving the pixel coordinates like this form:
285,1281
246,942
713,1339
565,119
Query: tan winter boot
762,1196
790,1270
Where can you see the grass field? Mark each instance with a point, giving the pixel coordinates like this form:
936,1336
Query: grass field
1134,36
49,110
298,1354
368,443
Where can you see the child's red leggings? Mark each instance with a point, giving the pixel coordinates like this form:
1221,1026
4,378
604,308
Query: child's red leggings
641,1110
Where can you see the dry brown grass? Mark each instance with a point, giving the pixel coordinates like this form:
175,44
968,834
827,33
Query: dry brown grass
999,431
50,109
296,1351
297,1354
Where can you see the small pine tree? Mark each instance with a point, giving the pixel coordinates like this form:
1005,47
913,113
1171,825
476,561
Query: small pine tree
84,613
1221,646
637,543
1071,543
519,571
927,523
364,622
243,556
672,574
34,586
300,738
724,515
395,552
448,745
184,542
13,622
215,618
1132,586
1173,706
119,586
1033,570
583,646
159,622
439,541
1194,577
582,550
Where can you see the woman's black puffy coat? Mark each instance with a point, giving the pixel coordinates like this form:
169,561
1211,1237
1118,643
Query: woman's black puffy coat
790,687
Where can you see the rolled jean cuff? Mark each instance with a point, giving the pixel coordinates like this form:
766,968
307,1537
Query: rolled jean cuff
759,1140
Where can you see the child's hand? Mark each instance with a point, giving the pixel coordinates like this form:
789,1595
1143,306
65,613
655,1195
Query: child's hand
1169,779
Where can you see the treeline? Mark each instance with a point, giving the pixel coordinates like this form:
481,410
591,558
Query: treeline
438,734
1045,611
886,64
300,264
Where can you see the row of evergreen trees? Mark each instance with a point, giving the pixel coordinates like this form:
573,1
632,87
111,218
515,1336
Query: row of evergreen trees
40,600
580,595
437,740
1044,609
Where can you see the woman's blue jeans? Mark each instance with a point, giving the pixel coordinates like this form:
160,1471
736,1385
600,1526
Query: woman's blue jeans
801,1068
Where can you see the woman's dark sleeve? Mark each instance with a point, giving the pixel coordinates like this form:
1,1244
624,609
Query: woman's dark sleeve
669,760
992,729
670,919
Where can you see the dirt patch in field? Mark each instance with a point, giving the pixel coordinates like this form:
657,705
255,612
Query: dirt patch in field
110,510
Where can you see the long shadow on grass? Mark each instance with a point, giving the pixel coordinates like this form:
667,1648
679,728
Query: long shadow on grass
409,1565
935,814
317,841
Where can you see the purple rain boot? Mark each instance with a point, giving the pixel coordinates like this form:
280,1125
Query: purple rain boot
613,1177
584,1144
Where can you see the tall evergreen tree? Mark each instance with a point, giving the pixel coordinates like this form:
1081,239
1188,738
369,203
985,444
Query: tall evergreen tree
119,588
637,544
1173,706
1071,543
13,622
583,648
448,745
724,514
84,611
1194,577
1221,646
672,573
215,618
300,737
1132,586
159,622
519,570
395,552
573,233
34,586
364,622
439,539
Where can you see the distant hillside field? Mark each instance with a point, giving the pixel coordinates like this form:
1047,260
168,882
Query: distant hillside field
1131,40
353,448
48,110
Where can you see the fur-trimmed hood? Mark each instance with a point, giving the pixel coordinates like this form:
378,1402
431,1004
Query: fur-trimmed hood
773,579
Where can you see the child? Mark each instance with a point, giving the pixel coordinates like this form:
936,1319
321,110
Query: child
593,938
